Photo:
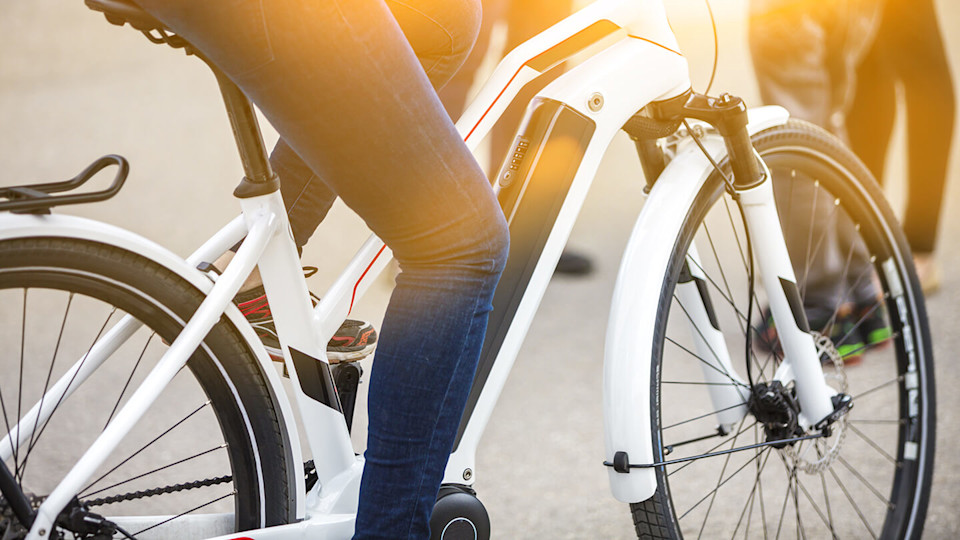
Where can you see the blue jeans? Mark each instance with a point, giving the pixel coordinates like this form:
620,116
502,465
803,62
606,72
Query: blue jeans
353,99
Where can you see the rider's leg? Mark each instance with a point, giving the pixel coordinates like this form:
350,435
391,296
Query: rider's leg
341,83
908,51
441,38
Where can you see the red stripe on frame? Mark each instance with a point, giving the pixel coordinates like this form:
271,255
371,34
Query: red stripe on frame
357,284
678,53
492,103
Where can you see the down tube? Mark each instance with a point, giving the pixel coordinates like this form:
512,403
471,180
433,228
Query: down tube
533,185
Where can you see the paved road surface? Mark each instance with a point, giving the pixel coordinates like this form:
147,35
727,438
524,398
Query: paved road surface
72,88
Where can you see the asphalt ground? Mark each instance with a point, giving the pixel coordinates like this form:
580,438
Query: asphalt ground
73,88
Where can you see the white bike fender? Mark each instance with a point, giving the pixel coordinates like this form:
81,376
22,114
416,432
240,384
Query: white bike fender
14,226
630,336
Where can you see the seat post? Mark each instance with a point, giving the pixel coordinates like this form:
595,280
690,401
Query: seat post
259,177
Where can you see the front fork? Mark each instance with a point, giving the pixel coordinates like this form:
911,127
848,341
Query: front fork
751,185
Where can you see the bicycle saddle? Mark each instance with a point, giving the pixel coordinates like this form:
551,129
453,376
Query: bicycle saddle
119,12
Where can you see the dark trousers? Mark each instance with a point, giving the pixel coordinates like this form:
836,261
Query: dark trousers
907,51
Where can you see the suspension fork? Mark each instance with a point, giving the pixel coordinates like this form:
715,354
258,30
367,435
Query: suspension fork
750,183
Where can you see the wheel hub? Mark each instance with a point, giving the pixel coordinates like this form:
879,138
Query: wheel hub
776,407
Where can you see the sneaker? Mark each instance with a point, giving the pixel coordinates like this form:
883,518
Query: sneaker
841,329
353,341
874,329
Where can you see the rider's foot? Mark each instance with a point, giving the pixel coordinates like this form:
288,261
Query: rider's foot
353,341
874,329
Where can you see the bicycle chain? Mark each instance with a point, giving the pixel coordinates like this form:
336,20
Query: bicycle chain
309,471
133,495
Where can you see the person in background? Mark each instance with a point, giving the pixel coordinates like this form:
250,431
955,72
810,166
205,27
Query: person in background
908,52
524,19
804,55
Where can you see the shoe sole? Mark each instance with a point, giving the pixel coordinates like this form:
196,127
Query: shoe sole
335,357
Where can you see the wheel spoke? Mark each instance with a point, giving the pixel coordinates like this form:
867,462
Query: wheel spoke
812,220
148,473
23,341
46,383
752,497
715,368
127,384
856,326
880,386
716,257
711,449
826,499
694,419
842,298
708,364
72,379
723,470
736,236
866,482
6,422
148,445
853,503
873,445
180,515
733,474
792,471
798,485
741,316
696,383
829,226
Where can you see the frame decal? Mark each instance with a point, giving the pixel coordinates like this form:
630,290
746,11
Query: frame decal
555,139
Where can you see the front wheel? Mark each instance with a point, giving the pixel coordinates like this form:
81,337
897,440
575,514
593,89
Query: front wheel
871,478
208,458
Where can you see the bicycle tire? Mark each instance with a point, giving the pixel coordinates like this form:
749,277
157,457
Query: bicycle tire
215,421
882,469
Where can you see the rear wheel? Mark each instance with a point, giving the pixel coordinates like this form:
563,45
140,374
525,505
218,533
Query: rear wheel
871,478
208,458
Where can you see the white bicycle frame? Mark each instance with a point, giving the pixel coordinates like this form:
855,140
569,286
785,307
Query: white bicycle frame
636,61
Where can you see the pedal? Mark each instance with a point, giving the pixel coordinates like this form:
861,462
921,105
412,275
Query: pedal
346,377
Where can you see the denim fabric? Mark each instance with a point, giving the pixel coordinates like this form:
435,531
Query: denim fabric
441,34
351,97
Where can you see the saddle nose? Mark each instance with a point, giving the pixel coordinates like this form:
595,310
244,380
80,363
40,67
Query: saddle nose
120,12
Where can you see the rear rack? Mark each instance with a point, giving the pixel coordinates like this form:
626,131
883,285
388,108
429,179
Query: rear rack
40,198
